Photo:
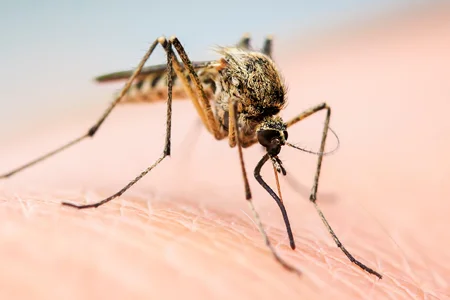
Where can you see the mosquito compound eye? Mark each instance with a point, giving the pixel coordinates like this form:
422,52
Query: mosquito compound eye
265,137
285,135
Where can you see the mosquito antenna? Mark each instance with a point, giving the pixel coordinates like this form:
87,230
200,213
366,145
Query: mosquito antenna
260,180
318,153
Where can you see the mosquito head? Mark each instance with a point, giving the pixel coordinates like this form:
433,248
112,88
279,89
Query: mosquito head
272,140
272,134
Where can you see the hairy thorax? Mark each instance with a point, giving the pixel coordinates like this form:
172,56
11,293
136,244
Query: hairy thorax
251,80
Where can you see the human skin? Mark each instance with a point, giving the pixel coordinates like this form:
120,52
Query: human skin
184,231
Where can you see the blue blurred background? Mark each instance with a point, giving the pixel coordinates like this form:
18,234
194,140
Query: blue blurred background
51,50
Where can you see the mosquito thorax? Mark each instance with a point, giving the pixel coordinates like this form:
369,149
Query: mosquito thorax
272,134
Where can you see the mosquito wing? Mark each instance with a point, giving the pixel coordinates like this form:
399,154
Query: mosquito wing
151,84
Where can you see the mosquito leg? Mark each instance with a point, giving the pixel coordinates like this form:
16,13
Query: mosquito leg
179,70
91,132
167,47
306,114
211,121
248,195
244,42
267,46
313,196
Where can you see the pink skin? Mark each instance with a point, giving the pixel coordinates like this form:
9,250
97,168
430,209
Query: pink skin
184,230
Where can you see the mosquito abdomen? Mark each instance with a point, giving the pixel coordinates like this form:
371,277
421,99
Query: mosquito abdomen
152,85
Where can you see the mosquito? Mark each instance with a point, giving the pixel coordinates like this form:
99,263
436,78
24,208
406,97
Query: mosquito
238,97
